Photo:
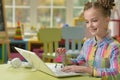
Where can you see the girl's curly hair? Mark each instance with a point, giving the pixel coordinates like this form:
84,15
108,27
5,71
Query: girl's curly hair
105,7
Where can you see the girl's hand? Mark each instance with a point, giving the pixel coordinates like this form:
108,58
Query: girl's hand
60,51
76,68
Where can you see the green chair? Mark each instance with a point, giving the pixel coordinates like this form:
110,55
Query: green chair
50,38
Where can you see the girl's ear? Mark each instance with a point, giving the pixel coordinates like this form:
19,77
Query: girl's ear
107,19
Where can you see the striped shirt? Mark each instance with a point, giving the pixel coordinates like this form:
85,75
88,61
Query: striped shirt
101,55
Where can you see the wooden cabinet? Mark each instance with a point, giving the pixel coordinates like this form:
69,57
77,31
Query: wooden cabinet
17,43
3,53
27,44
36,46
4,41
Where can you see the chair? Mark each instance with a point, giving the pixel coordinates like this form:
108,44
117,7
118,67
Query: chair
73,37
50,38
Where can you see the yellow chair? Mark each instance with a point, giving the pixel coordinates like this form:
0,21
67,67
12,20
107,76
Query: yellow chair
50,38
73,37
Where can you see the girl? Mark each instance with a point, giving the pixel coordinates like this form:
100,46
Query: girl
99,55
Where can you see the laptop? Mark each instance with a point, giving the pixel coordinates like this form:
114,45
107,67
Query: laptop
48,68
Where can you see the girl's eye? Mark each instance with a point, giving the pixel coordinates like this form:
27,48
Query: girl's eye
87,22
94,20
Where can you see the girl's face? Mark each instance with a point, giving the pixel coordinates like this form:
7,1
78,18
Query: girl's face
96,23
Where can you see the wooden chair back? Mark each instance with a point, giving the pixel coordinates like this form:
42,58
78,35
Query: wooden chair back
50,38
73,37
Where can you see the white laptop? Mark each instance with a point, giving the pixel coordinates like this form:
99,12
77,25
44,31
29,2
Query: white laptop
48,68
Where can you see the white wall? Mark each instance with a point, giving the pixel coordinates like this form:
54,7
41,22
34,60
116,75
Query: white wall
114,26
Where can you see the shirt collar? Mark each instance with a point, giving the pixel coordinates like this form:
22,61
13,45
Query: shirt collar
106,40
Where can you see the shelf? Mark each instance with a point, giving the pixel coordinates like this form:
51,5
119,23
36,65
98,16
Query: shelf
17,43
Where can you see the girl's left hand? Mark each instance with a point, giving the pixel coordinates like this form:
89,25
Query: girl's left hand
76,68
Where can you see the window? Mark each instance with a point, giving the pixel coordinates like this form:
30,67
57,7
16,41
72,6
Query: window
51,13
42,13
78,6
17,10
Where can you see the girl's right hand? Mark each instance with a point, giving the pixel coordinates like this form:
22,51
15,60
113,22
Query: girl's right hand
60,51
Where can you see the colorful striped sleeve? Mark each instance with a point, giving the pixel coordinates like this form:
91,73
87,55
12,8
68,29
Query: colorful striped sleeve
114,64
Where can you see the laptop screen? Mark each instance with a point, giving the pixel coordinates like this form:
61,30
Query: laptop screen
34,60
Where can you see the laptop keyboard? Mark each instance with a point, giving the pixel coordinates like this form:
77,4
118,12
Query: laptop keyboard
57,69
